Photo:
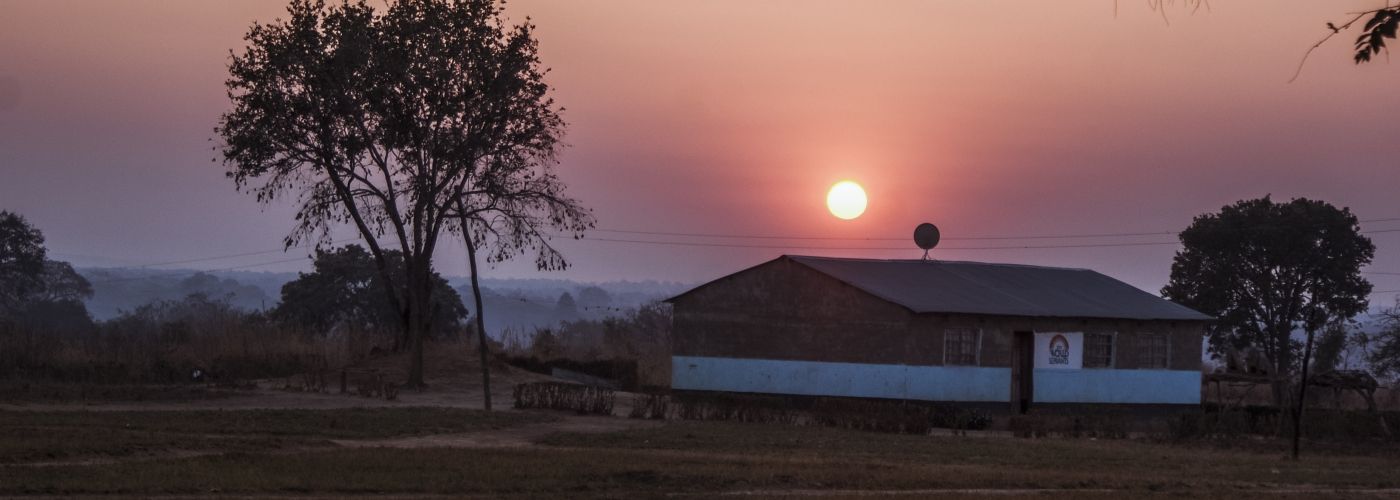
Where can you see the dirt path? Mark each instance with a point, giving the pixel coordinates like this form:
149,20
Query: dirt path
272,399
511,437
1016,492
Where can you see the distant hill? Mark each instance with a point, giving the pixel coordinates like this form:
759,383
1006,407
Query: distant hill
524,304
121,289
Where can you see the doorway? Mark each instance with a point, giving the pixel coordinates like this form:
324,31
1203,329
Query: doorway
1022,371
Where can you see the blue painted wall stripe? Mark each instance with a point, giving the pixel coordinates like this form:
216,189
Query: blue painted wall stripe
1108,385
930,383
816,378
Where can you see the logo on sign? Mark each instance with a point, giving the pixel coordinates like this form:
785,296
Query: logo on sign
1059,350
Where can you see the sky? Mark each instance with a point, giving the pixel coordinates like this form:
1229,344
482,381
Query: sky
987,118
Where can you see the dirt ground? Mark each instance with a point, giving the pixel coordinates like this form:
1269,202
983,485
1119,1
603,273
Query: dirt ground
452,374
539,454
453,381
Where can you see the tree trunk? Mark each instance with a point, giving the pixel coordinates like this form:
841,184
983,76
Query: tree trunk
1302,395
419,288
480,323
1283,370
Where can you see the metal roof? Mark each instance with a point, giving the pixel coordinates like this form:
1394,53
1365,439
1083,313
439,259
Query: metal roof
999,289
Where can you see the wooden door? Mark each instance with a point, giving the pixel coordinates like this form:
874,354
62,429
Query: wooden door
1022,371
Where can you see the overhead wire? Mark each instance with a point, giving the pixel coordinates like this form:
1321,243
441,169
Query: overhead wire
951,238
769,237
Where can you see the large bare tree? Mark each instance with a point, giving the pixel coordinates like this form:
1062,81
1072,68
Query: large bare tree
384,120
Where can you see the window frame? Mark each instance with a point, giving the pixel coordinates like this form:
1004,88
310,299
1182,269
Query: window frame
976,345
1112,350
1144,358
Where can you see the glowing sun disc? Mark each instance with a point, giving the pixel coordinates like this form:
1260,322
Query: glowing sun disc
846,200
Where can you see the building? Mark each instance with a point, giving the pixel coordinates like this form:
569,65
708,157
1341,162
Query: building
936,331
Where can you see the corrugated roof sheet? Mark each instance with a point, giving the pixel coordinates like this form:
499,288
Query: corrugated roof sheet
999,289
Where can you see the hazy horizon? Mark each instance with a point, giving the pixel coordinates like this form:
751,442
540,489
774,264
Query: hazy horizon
734,118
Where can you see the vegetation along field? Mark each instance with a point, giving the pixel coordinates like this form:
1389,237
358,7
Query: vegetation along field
436,451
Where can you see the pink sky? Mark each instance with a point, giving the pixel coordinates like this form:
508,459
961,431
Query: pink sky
986,118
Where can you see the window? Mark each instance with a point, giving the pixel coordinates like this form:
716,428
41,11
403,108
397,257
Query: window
1155,351
960,346
1098,350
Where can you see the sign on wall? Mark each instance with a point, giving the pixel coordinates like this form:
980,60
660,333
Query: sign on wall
1059,350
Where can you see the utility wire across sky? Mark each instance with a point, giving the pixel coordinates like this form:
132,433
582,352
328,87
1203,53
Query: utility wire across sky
778,246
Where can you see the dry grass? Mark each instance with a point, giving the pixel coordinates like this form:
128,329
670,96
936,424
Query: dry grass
690,458
27,436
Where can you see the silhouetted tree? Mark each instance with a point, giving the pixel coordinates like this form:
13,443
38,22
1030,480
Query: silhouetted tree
1384,354
392,122
507,194
1266,269
62,284
37,294
22,258
345,289
57,306
1380,25
1330,346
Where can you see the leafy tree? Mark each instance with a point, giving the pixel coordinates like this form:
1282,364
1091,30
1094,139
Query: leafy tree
1267,269
62,284
398,123
56,307
1384,355
1380,25
345,289
1331,346
38,294
22,258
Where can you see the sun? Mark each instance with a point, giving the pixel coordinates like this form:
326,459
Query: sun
846,200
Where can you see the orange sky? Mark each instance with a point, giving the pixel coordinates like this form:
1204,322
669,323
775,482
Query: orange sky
987,118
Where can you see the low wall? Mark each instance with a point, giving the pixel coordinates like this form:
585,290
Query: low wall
930,383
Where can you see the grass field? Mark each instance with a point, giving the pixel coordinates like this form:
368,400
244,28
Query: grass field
103,436
291,452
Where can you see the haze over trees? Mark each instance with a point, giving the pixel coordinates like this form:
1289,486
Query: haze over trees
427,117
1266,269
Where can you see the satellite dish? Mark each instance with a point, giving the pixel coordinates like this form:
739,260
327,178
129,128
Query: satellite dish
926,237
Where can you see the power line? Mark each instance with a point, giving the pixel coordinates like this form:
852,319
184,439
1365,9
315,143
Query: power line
837,238
800,247
803,238
951,238
197,271
243,254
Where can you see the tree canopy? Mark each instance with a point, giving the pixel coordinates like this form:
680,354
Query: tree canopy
1266,269
22,257
425,116
36,292
1384,354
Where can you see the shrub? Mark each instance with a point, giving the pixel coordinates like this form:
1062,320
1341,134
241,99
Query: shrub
561,396
650,406
904,417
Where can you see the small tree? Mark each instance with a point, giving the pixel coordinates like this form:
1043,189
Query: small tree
22,260
1384,354
344,289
